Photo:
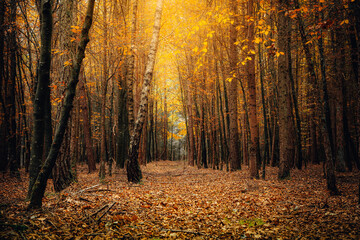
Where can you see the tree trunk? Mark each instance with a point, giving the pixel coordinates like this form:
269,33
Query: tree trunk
234,147
13,156
123,126
3,127
103,143
165,128
62,175
37,141
285,118
130,69
325,126
87,126
132,167
39,186
254,128
190,124
266,139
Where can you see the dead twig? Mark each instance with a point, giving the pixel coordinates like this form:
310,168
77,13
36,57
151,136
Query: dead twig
106,211
51,223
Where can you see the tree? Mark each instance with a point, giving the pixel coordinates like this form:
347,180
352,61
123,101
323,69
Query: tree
104,85
62,174
132,167
39,186
285,118
254,128
42,85
130,68
234,148
86,125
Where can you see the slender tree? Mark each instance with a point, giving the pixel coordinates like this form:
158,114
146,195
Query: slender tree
37,141
234,148
132,167
254,126
104,85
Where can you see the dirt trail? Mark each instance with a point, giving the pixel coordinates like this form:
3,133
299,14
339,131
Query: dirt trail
181,202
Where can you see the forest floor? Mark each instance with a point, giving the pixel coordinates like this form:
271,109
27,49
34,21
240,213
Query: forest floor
181,202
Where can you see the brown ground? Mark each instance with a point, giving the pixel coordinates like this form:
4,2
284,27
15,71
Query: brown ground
181,202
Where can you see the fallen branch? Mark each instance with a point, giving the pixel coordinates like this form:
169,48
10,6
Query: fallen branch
83,190
101,190
102,208
184,231
106,211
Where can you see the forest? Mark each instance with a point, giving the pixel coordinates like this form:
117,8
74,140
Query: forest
179,119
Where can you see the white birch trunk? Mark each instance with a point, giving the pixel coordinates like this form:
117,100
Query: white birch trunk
132,165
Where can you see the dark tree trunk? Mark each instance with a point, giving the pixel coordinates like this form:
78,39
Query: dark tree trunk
285,118
104,85
13,156
3,127
87,126
234,148
326,127
266,139
37,141
123,126
254,159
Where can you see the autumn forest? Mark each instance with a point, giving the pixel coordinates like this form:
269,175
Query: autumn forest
195,119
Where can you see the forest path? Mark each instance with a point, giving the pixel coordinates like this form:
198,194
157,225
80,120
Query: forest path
182,202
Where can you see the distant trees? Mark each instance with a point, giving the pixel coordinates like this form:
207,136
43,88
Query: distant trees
305,117
10,84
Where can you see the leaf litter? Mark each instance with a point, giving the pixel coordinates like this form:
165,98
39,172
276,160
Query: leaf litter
175,201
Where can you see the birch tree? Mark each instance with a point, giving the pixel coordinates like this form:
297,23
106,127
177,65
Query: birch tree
132,166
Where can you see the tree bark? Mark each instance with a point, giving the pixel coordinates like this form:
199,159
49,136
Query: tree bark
132,167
